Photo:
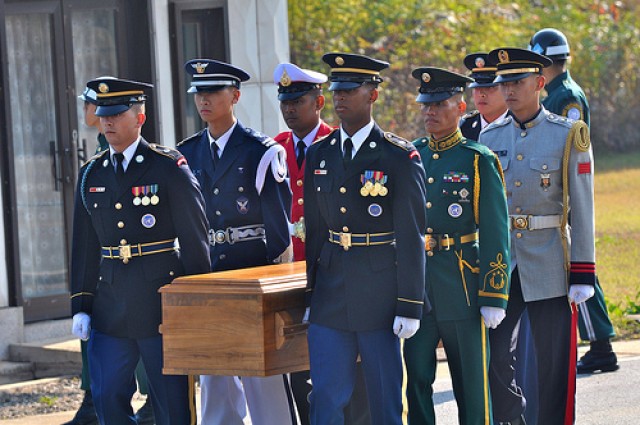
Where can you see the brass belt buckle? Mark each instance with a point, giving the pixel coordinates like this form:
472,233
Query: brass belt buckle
445,237
124,253
520,222
345,240
431,243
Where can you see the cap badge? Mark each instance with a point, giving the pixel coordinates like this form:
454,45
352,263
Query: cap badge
199,67
103,88
480,62
285,80
426,77
339,60
503,56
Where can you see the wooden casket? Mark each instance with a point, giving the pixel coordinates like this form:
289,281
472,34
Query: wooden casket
243,322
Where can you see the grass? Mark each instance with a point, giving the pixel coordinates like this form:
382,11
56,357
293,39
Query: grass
617,197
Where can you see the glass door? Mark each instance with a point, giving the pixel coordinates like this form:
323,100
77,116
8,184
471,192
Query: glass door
48,65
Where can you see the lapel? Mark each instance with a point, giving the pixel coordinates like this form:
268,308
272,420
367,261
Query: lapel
139,165
231,152
369,152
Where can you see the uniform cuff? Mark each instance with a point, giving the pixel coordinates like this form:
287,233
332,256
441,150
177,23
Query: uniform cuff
582,273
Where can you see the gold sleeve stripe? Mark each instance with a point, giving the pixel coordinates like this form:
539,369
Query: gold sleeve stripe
410,301
476,189
80,294
493,295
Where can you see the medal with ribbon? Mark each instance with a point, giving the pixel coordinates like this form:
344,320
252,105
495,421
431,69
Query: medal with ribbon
154,197
136,191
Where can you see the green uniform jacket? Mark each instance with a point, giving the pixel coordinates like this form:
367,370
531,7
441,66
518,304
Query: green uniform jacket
465,195
566,98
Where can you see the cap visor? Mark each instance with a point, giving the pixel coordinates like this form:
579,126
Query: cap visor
344,85
475,84
107,111
291,96
206,89
505,78
433,97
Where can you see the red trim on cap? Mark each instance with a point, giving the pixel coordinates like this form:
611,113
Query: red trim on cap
584,167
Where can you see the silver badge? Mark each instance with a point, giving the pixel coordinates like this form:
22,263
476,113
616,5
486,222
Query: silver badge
105,162
322,163
242,204
148,221
333,141
372,145
139,159
455,210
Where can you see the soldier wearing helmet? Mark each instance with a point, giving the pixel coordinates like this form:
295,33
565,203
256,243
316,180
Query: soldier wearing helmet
565,97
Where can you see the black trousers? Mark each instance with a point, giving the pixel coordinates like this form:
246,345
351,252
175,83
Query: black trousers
551,324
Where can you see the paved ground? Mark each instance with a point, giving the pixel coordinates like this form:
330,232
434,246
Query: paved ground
603,399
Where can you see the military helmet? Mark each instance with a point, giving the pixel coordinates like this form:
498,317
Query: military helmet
551,43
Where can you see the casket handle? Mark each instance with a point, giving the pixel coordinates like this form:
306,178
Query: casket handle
286,329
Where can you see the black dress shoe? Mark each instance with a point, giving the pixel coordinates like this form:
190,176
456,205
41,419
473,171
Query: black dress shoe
594,361
86,414
144,415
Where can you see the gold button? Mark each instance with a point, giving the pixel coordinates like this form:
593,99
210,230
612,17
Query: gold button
118,206
429,230
518,210
518,183
299,182
428,204
519,157
120,224
345,229
430,180
544,167
455,192
429,253
300,201
343,210
523,134
123,241
518,235
343,190
241,189
435,156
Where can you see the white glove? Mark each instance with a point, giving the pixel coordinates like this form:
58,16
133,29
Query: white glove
305,318
81,326
580,293
405,327
492,316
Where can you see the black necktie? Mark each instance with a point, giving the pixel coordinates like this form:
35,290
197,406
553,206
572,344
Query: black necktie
348,147
300,153
214,153
119,167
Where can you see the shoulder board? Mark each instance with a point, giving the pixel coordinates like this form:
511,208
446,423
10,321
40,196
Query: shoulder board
262,138
195,136
323,138
398,141
470,114
420,141
165,151
96,157
477,147
559,119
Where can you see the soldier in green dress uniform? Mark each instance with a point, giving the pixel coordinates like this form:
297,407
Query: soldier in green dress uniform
467,244
565,97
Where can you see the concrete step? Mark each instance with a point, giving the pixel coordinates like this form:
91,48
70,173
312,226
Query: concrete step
11,372
53,357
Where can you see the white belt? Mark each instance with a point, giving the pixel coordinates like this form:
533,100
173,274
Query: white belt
534,222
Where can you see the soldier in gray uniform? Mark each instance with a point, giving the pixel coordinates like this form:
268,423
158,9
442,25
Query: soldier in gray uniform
548,166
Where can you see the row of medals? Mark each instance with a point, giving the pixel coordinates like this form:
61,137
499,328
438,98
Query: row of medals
146,200
373,189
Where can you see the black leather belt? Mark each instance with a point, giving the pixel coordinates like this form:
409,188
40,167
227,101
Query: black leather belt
127,251
347,240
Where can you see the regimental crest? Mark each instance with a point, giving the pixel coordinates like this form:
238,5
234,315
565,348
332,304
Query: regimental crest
339,60
480,63
103,88
426,77
497,276
242,204
503,56
285,80
200,67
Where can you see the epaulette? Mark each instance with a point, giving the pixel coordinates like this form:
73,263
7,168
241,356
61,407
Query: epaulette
165,151
95,157
420,141
498,123
195,136
398,141
470,114
475,146
559,119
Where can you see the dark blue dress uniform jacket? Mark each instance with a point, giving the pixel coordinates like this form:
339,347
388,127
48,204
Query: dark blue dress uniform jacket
232,199
364,288
471,125
123,299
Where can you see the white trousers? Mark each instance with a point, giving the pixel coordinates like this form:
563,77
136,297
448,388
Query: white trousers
224,400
